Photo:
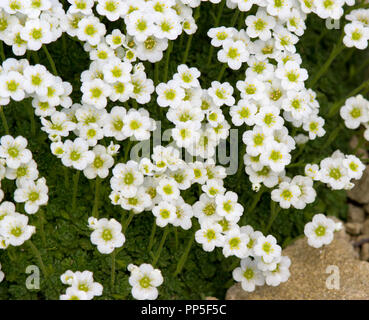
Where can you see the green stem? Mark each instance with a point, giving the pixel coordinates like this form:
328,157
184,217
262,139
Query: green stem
95,210
339,103
167,60
274,212
216,22
38,257
2,54
333,136
175,236
156,73
32,120
66,178
188,46
189,40
161,245
112,278
337,49
256,200
241,21
41,219
234,18
51,61
3,119
75,189
184,257
128,222
221,73
152,236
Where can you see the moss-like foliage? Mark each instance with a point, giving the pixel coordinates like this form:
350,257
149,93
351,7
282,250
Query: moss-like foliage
62,236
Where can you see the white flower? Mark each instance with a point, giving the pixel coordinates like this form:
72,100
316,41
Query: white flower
101,164
170,94
11,85
107,235
219,35
187,77
15,229
95,93
144,281
227,206
115,39
267,248
355,111
354,166
14,151
209,236
334,173
112,9
260,25
34,194
126,178
319,231
292,76
90,29
73,294
249,275
235,243
276,156
165,212
233,53
280,274
167,25
184,214
36,32
311,170
84,282
67,277
221,93
140,25
251,88
269,120
76,154
287,194
314,125
329,9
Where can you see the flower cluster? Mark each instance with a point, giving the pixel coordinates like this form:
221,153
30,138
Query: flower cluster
273,91
81,286
156,185
196,113
27,25
338,170
357,31
107,234
144,280
296,192
320,231
261,262
20,80
91,125
355,112
16,163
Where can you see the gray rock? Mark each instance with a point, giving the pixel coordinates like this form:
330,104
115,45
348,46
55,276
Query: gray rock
354,228
366,208
355,214
360,193
309,274
364,253
365,227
